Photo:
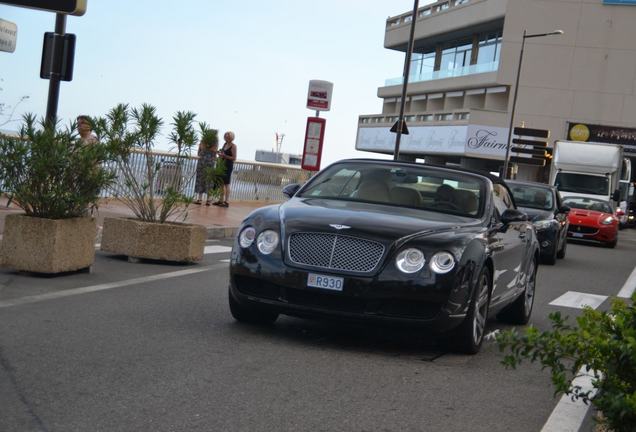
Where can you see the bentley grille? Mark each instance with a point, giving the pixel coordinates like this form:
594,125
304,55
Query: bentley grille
335,252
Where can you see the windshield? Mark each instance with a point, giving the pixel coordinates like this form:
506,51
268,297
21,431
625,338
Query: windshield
415,187
534,197
587,204
582,183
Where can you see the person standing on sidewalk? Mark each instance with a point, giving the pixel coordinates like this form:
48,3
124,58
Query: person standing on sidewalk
208,149
85,130
228,154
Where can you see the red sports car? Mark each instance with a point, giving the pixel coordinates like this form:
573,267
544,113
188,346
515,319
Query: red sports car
591,220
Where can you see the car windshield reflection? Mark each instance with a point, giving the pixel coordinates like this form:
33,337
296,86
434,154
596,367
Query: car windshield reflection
532,196
587,204
417,187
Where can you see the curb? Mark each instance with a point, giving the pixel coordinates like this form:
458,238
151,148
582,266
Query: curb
221,233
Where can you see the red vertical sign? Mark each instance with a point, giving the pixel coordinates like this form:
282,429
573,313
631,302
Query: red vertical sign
314,136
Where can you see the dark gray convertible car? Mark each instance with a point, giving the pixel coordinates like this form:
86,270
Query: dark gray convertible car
397,242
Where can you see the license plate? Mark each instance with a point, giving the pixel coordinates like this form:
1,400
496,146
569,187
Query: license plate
325,282
579,235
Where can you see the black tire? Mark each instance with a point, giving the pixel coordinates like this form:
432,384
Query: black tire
612,245
552,258
469,336
561,253
251,314
520,310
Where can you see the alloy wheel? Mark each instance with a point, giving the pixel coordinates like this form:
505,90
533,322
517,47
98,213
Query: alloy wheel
530,287
480,315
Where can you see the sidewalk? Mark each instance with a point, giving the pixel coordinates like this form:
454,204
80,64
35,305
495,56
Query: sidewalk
220,222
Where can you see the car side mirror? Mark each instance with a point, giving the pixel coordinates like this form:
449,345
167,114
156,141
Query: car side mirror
290,190
620,212
564,209
513,215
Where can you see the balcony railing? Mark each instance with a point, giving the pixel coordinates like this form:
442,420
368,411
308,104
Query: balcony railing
441,116
425,11
450,73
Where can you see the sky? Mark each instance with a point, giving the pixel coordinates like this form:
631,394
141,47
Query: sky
241,66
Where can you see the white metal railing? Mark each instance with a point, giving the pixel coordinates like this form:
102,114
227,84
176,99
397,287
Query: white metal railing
251,181
425,11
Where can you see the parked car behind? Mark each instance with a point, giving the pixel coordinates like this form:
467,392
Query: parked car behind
397,242
544,207
592,220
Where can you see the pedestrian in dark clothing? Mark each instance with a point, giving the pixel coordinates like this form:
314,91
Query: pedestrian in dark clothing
228,154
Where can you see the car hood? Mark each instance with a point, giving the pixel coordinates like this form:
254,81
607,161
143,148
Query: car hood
381,222
586,217
535,215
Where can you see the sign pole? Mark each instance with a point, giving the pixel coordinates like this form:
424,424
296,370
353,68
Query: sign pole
407,69
54,82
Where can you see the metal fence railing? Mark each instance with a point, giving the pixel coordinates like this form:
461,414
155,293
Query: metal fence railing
251,181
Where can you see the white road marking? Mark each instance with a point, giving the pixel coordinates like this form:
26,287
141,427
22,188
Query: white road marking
568,416
106,286
224,260
577,300
629,287
216,249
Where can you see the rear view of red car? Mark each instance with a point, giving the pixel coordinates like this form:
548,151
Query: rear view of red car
591,220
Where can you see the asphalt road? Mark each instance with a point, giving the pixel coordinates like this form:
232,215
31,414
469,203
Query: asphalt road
165,355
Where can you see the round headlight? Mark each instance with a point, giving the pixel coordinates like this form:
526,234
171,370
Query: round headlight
543,224
410,260
267,242
247,236
442,262
608,220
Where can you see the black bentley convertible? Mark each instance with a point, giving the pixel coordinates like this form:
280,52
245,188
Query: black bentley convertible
389,241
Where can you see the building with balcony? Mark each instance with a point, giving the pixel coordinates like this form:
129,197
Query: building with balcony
464,66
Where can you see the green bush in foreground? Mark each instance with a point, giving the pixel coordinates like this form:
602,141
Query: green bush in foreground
52,173
603,343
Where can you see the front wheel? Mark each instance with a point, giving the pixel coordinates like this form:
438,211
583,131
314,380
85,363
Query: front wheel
520,310
561,253
470,334
251,314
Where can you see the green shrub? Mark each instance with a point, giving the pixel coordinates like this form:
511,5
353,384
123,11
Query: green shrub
603,343
51,173
131,135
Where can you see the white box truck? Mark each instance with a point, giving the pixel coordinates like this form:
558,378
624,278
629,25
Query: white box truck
587,169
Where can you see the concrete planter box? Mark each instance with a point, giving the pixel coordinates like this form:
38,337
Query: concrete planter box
48,245
166,242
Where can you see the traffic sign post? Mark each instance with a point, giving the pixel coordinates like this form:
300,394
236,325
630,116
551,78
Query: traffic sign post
532,151
314,138
67,7
319,95
8,36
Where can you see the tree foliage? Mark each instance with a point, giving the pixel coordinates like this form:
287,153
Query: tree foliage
50,172
603,344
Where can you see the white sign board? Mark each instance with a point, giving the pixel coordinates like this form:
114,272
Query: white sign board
448,140
486,142
319,95
8,36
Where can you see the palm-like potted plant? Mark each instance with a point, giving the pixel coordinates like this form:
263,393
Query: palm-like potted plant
56,179
156,192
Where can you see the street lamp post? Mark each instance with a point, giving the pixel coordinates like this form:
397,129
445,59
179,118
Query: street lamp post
514,100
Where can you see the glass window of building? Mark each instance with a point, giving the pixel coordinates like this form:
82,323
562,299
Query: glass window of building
456,56
489,48
422,64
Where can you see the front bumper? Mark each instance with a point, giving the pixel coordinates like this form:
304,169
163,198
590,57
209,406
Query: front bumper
600,234
435,302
